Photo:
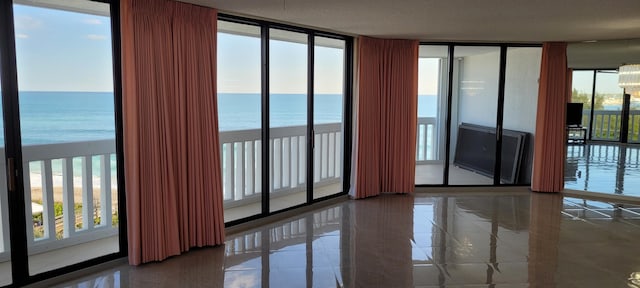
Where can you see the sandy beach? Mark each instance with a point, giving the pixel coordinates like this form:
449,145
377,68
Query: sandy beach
37,194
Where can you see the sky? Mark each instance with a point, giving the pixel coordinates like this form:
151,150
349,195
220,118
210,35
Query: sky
239,66
67,51
428,71
607,83
62,51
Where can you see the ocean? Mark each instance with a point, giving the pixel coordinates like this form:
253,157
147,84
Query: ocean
58,117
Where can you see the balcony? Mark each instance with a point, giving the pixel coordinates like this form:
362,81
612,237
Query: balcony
607,125
56,238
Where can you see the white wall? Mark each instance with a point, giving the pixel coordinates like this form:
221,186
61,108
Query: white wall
521,98
479,89
521,88
475,89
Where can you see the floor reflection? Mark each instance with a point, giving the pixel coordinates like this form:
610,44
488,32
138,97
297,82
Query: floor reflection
517,240
604,168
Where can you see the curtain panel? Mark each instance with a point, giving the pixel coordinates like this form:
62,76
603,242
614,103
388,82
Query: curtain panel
549,144
386,116
172,158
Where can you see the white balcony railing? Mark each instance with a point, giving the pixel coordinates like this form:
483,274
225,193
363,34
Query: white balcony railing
242,161
93,221
607,124
425,140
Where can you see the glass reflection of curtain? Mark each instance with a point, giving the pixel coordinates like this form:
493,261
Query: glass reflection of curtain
386,117
172,161
382,251
549,144
544,235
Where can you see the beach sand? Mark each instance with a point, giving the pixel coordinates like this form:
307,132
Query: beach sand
37,194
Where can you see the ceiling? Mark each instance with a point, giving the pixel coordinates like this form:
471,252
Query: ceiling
517,21
452,20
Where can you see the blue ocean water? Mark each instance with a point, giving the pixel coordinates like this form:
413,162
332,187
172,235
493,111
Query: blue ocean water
55,117
243,111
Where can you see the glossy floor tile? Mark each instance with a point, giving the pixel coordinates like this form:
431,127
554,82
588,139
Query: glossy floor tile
473,240
603,168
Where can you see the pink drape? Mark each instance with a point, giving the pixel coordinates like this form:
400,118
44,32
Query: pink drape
387,116
172,161
549,155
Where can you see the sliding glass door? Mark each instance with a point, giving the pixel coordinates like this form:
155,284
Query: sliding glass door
433,75
473,115
328,116
65,82
475,121
240,118
282,94
288,62
59,194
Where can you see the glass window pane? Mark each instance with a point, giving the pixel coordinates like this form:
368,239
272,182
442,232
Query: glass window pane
519,118
433,77
288,119
240,118
581,92
68,133
607,113
328,119
473,115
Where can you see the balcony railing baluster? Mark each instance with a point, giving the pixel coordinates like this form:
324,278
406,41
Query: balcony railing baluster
43,156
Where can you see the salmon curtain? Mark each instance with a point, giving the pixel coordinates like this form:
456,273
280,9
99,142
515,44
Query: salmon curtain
172,161
387,117
549,155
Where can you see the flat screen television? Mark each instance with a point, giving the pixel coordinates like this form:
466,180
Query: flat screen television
574,114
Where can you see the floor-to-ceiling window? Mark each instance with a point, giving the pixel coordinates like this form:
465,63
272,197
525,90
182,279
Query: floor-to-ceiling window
287,84
288,127
602,166
65,82
485,94
240,118
522,72
60,145
433,67
473,115
328,115
607,121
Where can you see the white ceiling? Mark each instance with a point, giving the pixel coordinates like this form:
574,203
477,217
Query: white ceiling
525,21
453,20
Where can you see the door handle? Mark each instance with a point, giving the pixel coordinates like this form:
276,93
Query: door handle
11,174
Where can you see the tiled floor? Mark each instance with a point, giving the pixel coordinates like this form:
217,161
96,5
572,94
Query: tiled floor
57,258
280,202
426,240
431,174
603,168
